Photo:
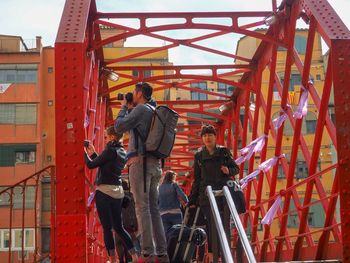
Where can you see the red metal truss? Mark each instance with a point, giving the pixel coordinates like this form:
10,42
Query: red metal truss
84,109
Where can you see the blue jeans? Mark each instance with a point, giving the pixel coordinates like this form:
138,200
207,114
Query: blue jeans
170,220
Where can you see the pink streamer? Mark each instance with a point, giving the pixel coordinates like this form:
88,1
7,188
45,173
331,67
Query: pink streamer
265,166
302,107
280,120
267,220
244,182
240,160
86,121
251,148
91,199
248,148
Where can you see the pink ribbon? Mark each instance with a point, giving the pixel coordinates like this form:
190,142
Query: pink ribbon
265,166
267,220
302,107
277,122
244,182
91,199
240,160
86,121
253,147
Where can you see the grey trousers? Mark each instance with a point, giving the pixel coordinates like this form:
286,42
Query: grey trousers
150,224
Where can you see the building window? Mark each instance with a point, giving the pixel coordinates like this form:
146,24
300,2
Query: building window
135,73
310,219
146,73
50,70
310,123
25,157
293,221
18,114
46,235
318,77
9,156
198,95
46,197
16,236
18,197
311,126
18,75
295,80
301,170
224,88
280,173
300,44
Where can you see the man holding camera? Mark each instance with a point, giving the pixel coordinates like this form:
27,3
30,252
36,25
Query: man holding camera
138,122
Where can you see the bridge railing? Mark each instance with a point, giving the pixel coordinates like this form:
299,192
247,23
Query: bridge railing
25,208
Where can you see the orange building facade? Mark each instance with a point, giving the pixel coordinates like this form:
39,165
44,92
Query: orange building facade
27,143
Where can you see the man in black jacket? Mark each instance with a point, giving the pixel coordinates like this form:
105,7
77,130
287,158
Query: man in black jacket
213,166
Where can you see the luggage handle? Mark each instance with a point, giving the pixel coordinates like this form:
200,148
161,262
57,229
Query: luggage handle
186,216
191,234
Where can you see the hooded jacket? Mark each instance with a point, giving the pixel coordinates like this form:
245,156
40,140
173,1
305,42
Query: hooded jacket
207,171
110,163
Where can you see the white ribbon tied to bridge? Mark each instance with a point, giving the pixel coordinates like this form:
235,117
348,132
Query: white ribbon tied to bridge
303,103
267,220
253,147
265,166
277,122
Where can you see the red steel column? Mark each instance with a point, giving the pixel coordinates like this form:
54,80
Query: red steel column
70,58
341,70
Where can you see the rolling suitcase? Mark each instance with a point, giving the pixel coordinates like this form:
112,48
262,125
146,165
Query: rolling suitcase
181,240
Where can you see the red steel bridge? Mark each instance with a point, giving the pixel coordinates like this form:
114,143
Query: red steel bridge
82,93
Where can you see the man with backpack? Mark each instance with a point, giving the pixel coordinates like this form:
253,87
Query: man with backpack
151,131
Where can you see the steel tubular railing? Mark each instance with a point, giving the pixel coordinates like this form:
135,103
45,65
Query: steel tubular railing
219,226
221,232
240,229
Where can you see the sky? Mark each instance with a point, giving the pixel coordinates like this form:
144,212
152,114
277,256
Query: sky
41,18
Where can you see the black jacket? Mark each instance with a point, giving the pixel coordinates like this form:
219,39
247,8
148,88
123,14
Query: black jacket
207,171
110,162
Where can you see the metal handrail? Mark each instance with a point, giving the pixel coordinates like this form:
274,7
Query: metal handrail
221,232
219,226
240,229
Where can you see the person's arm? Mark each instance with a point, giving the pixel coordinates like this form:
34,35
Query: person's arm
99,160
180,194
231,164
127,121
193,198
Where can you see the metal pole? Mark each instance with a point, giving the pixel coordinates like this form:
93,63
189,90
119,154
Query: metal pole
241,232
220,228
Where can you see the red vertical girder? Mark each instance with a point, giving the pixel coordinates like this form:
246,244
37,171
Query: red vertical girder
340,54
70,60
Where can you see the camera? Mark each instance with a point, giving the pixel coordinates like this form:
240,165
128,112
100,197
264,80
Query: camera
128,96
86,143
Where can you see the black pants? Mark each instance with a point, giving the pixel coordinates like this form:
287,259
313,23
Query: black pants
110,213
212,234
